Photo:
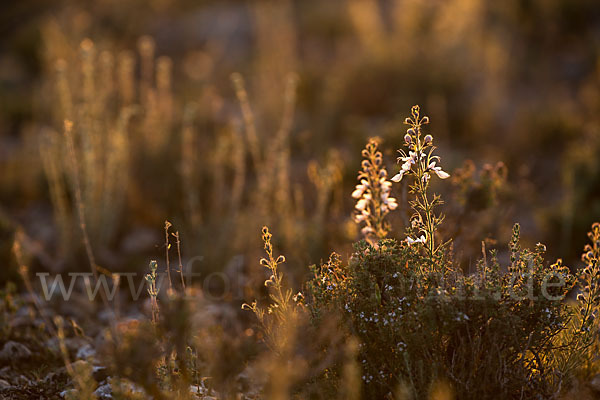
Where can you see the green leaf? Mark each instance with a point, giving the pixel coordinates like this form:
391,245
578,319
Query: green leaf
377,293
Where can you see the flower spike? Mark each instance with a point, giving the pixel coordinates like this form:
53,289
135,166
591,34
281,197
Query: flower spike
373,194
420,162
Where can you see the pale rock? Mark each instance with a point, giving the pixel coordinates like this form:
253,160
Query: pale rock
13,351
85,352
104,392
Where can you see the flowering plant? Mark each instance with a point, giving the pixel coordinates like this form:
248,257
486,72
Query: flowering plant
373,194
589,279
422,163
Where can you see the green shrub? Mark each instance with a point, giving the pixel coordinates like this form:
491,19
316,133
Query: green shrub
424,327
483,334
421,322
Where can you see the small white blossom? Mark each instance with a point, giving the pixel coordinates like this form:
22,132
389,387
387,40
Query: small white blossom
360,189
360,217
367,230
373,194
418,159
438,171
361,204
462,317
412,241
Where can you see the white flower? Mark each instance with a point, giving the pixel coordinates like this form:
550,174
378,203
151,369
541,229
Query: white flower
388,203
398,176
366,230
391,203
360,189
373,193
461,317
406,166
361,204
405,169
360,217
438,171
412,241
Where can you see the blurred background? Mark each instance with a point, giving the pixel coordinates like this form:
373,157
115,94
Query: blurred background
224,116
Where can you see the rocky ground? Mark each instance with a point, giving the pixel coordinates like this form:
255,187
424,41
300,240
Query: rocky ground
32,365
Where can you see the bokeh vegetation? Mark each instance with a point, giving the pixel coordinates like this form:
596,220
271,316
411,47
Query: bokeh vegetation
225,116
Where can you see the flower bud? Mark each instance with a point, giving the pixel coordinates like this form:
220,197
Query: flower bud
428,139
407,138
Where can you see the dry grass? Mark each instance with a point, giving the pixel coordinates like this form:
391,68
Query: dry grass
225,117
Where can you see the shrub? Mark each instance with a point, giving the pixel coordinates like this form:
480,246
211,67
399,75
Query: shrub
483,334
422,322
